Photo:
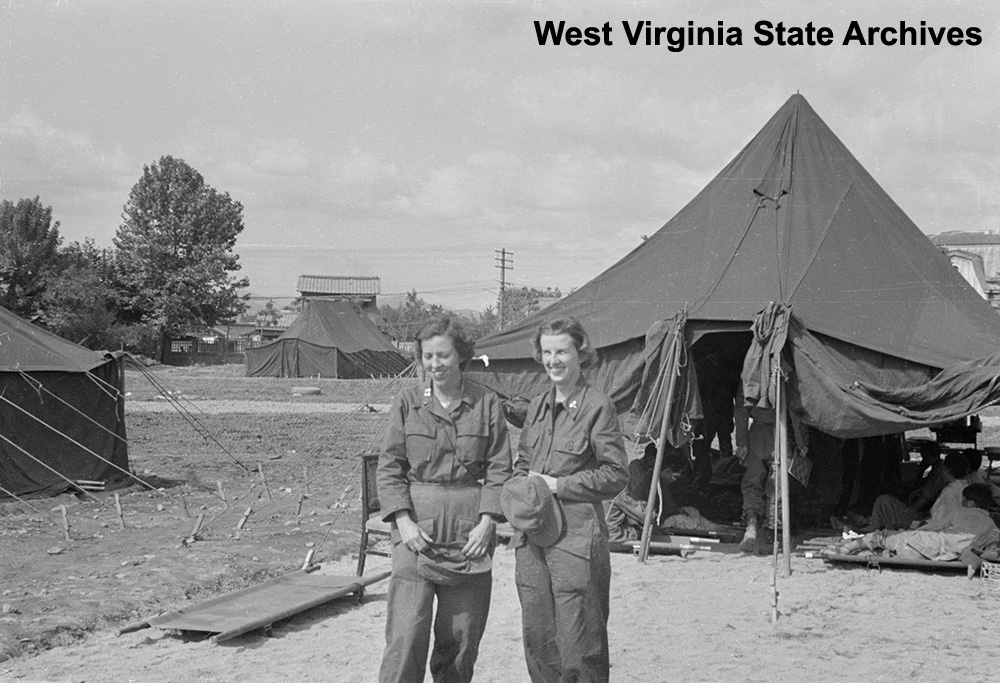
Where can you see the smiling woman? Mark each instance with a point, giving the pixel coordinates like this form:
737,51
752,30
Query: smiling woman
445,458
571,441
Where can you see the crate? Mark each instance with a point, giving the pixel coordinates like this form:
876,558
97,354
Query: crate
990,574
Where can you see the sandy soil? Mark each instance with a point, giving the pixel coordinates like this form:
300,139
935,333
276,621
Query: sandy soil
702,618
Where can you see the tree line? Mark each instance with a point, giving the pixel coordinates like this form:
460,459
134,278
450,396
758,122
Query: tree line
172,266
172,269
402,322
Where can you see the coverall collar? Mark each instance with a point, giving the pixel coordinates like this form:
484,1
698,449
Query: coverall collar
428,400
574,399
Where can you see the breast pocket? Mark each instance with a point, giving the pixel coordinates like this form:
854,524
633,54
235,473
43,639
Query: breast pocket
569,455
570,445
420,441
472,443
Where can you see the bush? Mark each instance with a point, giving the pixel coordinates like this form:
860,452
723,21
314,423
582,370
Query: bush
136,339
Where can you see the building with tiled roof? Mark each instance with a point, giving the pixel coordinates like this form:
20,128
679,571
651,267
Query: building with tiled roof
360,290
976,255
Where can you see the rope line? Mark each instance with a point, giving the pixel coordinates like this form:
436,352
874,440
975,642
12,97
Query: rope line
75,443
55,472
38,386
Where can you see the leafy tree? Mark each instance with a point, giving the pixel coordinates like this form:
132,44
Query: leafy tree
174,260
79,301
404,321
482,324
522,302
29,242
269,316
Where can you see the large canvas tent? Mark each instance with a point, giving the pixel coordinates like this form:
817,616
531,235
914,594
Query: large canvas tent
793,248
62,412
329,339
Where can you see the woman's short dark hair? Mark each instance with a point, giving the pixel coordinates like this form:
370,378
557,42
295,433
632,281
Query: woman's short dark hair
956,464
571,327
979,494
446,326
975,459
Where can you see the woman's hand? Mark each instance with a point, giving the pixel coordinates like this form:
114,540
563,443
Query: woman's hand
551,482
415,538
480,538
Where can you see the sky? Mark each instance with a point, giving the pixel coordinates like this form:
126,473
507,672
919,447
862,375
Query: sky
410,140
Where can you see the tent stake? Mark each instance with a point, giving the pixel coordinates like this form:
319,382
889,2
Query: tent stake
184,504
244,518
298,510
197,526
309,559
263,479
305,476
65,522
118,507
222,493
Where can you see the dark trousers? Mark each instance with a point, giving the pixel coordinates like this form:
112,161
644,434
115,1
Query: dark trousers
758,479
565,602
458,626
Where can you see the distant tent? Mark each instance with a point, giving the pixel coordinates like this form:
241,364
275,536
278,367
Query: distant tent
329,339
795,241
62,412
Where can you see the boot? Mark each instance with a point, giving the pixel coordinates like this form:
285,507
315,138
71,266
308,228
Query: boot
749,543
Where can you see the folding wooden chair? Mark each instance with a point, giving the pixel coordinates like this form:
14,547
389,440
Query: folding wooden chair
371,520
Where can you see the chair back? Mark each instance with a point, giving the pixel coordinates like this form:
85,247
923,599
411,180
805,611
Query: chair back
369,491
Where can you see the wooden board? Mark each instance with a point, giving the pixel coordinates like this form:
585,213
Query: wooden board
245,610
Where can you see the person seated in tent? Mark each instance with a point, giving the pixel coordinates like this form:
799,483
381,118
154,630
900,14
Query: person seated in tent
932,478
919,496
976,475
890,513
957,536
627,512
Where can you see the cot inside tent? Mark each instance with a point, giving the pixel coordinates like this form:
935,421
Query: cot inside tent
62,412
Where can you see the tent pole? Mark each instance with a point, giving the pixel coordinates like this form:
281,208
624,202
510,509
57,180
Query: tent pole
647,522
782,445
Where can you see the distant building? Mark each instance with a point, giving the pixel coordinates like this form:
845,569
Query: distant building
361,291
976,255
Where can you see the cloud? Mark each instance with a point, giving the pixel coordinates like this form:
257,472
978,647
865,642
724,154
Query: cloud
287,157
85,185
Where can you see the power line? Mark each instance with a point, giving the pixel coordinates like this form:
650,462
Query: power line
505,262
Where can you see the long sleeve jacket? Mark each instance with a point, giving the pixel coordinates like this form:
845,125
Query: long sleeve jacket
427,444
584,451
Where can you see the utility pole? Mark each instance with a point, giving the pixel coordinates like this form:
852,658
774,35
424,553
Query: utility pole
504,261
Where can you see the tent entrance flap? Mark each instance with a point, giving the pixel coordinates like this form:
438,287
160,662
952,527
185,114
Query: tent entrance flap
848,392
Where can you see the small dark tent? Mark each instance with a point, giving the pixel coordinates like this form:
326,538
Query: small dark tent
795,248
329,339
62,412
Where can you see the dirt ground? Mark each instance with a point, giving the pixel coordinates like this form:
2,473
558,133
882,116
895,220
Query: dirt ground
54,592
706,617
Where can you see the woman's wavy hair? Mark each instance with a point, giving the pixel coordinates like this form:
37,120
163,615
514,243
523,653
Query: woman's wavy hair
572,327
446,326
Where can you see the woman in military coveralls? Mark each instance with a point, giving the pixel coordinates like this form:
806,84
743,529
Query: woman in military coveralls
572,440
445,459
